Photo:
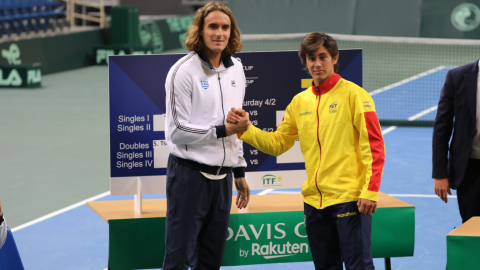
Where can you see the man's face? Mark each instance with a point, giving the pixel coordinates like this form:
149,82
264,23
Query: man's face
215,32
321,65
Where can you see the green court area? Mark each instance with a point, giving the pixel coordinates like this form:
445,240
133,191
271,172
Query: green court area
54,144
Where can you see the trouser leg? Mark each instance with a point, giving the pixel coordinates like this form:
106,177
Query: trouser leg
323,238
468,193
354,231
187,206
213,235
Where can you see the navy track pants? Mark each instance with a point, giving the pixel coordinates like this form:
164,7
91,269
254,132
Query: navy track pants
198,210
339,234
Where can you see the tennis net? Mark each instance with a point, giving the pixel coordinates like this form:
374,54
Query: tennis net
404,76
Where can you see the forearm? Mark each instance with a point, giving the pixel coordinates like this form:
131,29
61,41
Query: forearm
272,143
189,134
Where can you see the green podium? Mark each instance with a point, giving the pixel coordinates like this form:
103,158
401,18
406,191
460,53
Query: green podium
463,246
271,230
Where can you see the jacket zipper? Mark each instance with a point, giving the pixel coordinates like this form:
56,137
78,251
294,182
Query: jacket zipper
223,111
320,147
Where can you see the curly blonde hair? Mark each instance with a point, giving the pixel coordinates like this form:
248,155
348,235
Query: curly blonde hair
194,42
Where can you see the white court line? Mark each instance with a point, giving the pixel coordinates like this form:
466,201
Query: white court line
393,195
266,191
422,113
389,129
68,208
418,76
420,196
284,192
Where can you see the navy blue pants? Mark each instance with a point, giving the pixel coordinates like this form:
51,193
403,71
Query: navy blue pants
198,210
468,193
339,234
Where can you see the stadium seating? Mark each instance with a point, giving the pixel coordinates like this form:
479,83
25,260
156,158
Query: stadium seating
30,15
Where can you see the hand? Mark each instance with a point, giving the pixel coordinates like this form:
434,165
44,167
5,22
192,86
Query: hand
242,122
243,192
442,187
366,207
235,115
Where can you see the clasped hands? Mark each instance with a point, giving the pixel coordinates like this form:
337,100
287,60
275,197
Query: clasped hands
238,121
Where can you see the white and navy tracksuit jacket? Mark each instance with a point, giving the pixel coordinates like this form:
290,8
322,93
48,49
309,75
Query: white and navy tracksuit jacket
3,231
198,99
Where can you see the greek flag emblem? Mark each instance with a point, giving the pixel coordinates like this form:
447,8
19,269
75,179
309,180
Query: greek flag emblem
204,83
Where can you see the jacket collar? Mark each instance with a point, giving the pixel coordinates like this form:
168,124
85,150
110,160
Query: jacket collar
327,85
227,60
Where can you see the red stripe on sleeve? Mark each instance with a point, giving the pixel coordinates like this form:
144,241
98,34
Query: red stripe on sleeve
377,148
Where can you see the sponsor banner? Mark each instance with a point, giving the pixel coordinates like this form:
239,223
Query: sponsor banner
56,53
101,53
259,238
24,76
276,179
137,109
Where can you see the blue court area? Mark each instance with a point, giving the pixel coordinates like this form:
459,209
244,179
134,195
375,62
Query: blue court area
78,239
411,97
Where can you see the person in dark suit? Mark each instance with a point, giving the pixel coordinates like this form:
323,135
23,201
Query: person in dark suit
458,167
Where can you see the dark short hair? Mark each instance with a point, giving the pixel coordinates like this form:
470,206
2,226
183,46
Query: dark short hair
312,41
194,42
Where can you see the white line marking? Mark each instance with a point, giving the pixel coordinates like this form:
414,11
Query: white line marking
389,129
420,196
393,195
266,191
60,211
284,192
418,76
277,256
422,113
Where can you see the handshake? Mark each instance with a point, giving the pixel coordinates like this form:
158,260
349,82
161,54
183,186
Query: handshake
238,121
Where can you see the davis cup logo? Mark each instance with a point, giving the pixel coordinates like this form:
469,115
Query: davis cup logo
204,83
466,17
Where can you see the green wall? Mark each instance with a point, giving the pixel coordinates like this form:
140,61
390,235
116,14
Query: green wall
57,53
405,18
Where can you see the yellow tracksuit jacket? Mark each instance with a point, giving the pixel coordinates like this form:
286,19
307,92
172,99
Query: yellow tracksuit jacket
340,138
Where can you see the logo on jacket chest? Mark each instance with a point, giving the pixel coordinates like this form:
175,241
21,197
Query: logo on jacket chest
333,107
233,84
204,83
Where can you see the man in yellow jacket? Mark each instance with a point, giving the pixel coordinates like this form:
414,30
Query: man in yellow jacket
344,152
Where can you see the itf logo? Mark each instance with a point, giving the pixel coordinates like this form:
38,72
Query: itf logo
333,107
204,83
270,180
466,17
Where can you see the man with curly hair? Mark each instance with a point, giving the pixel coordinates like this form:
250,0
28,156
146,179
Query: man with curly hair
200,90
